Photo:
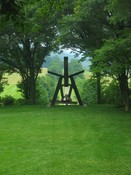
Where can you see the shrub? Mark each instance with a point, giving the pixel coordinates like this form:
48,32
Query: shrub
89,94
111,93
45,88
7,100
87,90
20,101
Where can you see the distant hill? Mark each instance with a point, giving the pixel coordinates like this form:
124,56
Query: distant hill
66,53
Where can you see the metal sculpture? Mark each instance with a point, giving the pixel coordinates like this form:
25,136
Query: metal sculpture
66,96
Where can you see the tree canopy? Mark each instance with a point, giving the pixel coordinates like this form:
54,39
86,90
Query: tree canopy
25,46
101,29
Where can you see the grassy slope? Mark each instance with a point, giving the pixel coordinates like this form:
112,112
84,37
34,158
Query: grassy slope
65,140
13,79
12,90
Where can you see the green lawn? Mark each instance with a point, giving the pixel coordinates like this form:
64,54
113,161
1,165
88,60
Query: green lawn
65,140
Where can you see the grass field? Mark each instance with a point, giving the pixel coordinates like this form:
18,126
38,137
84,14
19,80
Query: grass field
65,140
13,79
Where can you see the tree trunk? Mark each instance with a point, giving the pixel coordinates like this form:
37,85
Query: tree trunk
98,76
26,90
123,83
32,90
29,87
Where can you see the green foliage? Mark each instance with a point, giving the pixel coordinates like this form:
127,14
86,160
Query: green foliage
120,11
111,93
103,25
56,66
87,89
45,89
7,100
75,66
83,29
89,94
11,10
114,59
3,81
24,47
20,101
114,56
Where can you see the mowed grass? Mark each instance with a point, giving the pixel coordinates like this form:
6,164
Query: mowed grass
65,140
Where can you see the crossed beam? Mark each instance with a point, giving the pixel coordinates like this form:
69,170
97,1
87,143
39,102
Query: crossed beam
66,78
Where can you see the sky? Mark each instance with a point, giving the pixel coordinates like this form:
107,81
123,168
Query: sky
72,55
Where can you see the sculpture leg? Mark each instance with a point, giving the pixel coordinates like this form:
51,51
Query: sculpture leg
76,91
70,91
62,93
58,87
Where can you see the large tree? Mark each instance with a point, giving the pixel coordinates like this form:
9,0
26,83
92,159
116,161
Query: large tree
92,23
85,28
26,45
114,59
114,56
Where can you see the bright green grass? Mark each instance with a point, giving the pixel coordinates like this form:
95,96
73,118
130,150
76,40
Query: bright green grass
12,90
65,140
13,79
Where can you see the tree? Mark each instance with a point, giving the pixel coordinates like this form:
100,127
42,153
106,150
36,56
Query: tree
82,29
120,12
85,29
92,23
115,55
10,9
114,59
26,46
